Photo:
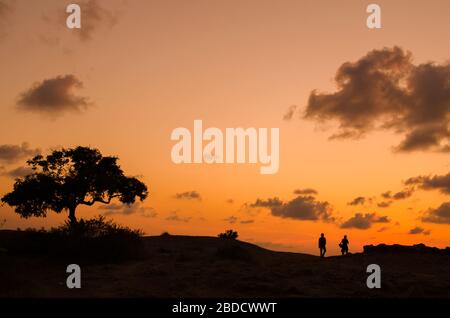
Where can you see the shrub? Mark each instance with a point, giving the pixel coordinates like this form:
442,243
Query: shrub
97,240
98,228
230,234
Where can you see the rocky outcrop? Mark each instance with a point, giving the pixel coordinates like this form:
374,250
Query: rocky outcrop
396,248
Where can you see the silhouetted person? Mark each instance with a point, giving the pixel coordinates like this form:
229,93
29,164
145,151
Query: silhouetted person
344,245
322,245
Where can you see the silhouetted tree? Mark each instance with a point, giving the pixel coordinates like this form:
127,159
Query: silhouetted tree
68,178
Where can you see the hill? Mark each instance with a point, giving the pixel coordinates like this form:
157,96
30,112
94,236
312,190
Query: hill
184,266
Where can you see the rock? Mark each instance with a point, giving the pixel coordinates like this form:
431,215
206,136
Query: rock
396,248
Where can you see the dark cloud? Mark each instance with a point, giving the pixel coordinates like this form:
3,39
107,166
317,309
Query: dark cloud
400,195
385,90
364,221
230,201
54,96
300,208
13,153
419,230
175,217
247,221
17,172
384,204
357,201
440,215
383,229
441,183
290,112
305,191
269,203
188,195
128,209
403,194
386,195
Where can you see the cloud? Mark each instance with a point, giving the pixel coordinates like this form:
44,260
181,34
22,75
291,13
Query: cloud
384,204
232,219
128,209
441,183
299,208
17,172
188,195
175,217
386,195
95,16
5,11
13,153
403,194
230,201
419,230
357,201
305,191
269,203
54,97
385,90
440,215
400,195
363,222
290,112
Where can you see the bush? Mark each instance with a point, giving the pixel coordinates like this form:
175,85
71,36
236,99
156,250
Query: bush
230,234
97,240
96,228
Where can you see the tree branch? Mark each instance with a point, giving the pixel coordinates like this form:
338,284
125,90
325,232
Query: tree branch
90,203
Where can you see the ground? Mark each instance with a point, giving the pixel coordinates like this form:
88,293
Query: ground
185,266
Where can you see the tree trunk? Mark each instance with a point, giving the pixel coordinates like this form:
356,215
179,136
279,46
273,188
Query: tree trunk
72,217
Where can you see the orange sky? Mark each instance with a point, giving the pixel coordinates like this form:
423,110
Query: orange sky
148,67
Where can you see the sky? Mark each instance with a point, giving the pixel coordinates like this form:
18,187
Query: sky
363,113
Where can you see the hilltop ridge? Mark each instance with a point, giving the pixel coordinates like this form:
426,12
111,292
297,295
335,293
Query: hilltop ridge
188,266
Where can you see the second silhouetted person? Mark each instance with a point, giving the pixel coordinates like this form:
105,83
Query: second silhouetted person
344,245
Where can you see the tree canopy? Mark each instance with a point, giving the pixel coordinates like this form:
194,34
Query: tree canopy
68,178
